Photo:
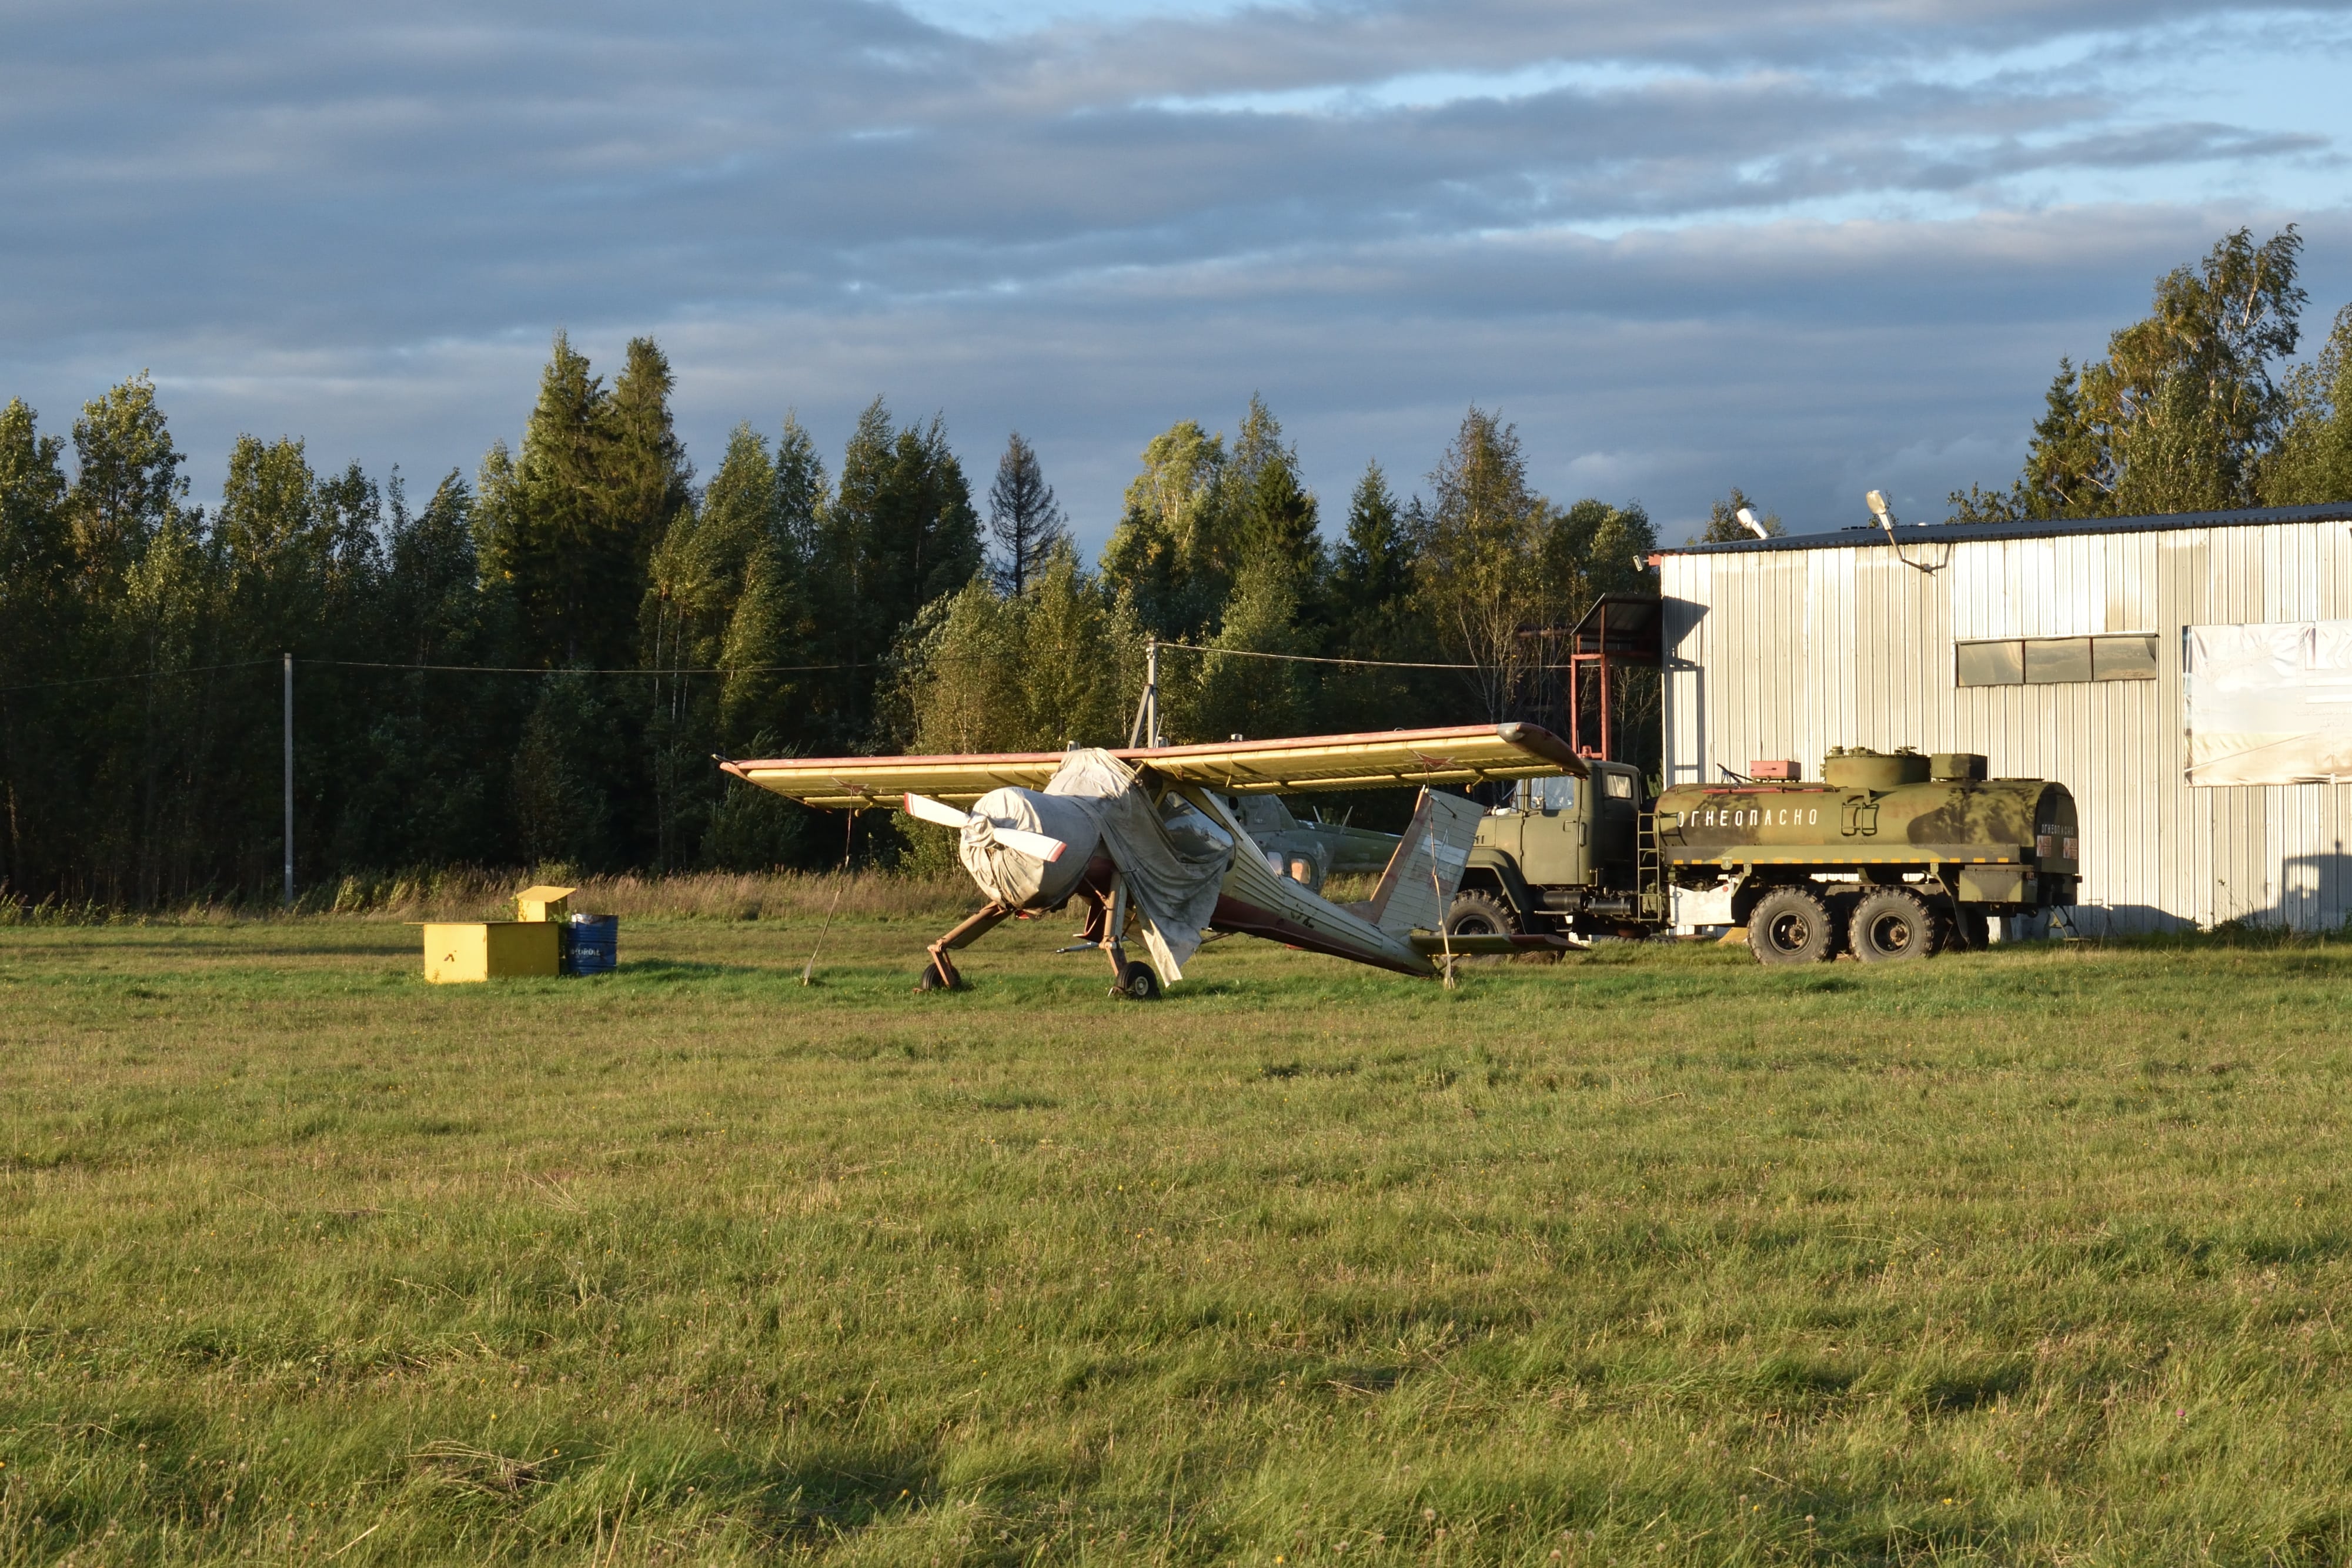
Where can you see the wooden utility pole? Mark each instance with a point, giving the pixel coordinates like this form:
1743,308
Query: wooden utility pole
290,781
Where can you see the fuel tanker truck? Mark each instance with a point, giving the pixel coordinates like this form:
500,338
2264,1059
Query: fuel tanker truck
1891,857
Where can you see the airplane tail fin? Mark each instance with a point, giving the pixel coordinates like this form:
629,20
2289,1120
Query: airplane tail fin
1424,873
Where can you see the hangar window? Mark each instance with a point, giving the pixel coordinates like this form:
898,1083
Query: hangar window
2123,659
2053,661
1991,664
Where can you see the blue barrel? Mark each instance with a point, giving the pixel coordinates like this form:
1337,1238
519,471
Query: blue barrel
595,945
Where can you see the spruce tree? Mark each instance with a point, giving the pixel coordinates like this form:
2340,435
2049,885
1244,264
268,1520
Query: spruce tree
544,536
571,522
762,711
900,534
1023,518
802,489
1373,617
645,470
1373,568
1278,528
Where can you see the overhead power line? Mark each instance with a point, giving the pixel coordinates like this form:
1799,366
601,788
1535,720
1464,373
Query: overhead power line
137,676
627,670
1316,659
539,670
454,669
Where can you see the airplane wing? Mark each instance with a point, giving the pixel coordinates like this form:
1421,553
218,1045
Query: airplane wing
1462,753
887,780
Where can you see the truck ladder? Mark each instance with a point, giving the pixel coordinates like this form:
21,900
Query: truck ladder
1649,872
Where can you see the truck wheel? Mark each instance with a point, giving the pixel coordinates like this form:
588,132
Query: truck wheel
1894,923
1789,926
1479,915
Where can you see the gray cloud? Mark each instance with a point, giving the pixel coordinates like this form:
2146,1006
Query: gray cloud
1682,247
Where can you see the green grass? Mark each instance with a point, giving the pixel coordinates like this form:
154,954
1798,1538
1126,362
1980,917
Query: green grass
1650,1257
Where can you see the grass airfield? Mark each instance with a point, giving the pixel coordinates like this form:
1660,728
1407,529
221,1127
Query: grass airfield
1650,1257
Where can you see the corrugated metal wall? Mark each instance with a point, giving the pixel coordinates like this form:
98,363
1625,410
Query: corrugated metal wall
1786,653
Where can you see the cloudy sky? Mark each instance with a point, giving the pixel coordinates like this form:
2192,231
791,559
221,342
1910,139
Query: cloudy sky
1802,246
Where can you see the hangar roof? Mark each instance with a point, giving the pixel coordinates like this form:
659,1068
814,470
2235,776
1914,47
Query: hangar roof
1867,535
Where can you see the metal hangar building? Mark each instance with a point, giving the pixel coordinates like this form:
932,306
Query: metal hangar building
2188,677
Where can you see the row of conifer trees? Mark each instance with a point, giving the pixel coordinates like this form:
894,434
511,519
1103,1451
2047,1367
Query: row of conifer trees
538,664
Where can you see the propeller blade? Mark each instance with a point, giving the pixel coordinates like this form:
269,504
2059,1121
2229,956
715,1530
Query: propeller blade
1020,839
940,811
1030,843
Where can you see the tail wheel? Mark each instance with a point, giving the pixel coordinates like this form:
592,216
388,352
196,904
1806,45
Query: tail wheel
1476,914
1136,983
1894,923
1791,926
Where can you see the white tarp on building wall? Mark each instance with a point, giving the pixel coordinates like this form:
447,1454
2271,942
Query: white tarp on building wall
2268,703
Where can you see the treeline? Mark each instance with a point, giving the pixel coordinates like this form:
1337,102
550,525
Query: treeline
2195,406
538,666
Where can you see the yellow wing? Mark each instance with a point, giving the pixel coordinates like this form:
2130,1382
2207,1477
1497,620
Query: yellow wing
884,780
1463,753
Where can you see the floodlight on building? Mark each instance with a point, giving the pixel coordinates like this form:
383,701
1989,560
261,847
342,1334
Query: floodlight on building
1747,520
1877,501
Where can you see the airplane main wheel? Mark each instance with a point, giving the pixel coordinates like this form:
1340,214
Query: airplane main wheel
1136,983
1789,925
1895,923
1477,914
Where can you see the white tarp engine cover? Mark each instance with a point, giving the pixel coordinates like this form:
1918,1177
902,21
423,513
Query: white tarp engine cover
1013,876
1173,869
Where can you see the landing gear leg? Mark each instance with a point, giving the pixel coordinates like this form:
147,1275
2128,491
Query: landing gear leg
939,973
1134,981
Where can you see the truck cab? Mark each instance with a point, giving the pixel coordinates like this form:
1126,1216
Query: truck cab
1562,853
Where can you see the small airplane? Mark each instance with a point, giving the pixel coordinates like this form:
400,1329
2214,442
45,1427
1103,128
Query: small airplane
1312,849
1155,832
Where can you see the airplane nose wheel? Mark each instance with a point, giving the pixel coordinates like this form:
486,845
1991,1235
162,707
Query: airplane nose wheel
1136,983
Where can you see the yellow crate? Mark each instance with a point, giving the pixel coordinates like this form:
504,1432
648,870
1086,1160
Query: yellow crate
492,950
544,902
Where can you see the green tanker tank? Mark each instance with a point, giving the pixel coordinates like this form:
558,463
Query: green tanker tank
1892,855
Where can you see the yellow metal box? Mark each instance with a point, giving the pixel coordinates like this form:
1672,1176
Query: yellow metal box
544,903
491,950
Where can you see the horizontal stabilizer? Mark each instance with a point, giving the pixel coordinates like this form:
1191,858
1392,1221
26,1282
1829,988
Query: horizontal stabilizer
1502,945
